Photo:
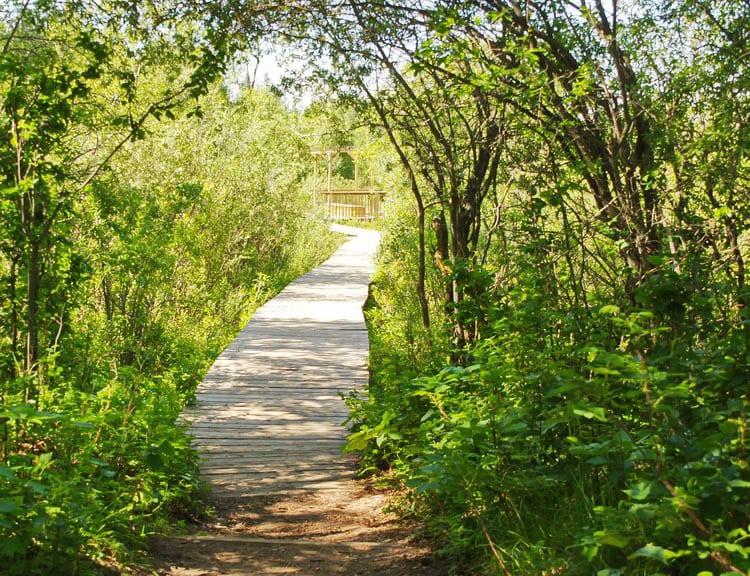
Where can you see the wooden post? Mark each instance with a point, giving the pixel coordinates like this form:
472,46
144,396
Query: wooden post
361,202
355,158
329,206
330,170
315,181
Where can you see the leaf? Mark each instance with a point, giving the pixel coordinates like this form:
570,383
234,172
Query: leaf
154,461
82,425
19,412
8,505
43,460
359,440
610,309
509,426
604,371
593,413
640,491
53,511
654,552
644,512
37,487
612,540
722,212
732,548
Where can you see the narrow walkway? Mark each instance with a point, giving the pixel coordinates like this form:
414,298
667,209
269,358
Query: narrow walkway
268,421
269,412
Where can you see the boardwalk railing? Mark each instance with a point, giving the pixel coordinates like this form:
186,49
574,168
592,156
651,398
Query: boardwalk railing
351,204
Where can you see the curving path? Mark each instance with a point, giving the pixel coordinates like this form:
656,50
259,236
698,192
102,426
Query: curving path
268,420
268,414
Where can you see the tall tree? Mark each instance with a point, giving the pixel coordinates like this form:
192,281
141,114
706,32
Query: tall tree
72,92
448,139
456,74
579,75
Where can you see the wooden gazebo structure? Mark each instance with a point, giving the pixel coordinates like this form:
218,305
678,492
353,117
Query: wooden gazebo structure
354,203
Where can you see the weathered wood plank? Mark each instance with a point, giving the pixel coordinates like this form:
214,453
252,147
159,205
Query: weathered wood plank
275,446
223,458
229,419
265,468
267,431
268,415
228,413
230,478
331,397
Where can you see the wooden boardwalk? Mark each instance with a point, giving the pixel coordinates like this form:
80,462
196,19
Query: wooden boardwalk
269,413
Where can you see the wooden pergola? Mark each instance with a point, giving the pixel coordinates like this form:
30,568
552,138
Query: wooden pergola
354,203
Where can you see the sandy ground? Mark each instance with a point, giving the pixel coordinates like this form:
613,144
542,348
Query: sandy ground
343,530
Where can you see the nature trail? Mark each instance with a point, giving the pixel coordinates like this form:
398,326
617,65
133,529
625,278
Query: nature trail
268,420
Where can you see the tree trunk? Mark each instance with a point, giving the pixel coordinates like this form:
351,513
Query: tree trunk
421,291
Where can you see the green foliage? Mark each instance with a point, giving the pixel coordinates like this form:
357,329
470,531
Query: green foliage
569,396
131,252
610,440
88,482
173,271
582,407
624,453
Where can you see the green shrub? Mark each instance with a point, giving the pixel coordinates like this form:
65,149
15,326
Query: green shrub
90,481
620,450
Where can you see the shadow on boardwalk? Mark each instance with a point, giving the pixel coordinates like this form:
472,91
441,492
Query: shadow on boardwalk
268,420
268,414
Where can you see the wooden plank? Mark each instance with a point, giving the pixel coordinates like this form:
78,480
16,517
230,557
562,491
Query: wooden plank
270,431
232,487
314,395
273,468
212,412
282,455
272,448
251,420
293,477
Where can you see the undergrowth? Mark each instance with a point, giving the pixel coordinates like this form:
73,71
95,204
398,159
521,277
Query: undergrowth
606,441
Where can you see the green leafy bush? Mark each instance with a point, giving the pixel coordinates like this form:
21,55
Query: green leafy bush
89,482
611,446
167,253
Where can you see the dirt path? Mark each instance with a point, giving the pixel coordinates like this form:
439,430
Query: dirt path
337,531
